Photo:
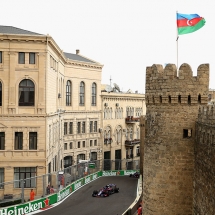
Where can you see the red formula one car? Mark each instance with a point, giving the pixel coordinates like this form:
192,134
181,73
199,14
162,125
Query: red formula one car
111,188
106,191
101,193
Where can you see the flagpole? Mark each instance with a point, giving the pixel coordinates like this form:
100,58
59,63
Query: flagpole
177,37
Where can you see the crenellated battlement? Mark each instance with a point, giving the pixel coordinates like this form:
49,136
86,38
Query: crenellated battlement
164,86
206,114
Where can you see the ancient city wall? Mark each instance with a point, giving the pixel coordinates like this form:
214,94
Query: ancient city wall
204,173
172,103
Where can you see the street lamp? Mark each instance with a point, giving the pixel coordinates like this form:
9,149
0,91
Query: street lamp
59,112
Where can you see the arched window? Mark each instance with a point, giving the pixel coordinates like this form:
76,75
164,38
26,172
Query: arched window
0,94
68,160
127,134
118,135
26,93
94,94
121,113
127,111
82,93
105,113
68,93
131,134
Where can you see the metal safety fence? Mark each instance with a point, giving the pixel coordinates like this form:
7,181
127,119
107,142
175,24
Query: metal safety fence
43,185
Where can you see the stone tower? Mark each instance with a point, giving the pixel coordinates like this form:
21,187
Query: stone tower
171,111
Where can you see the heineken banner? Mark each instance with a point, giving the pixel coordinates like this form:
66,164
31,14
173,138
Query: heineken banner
43,203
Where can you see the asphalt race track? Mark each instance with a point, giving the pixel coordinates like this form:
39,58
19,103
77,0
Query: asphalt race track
81,202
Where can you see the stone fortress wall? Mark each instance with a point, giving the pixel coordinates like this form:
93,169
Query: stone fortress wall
172,103
204,174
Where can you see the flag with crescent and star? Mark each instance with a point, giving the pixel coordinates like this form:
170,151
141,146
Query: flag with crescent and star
189,23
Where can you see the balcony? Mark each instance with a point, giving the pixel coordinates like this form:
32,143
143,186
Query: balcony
129,156
108,140
131,119
132,142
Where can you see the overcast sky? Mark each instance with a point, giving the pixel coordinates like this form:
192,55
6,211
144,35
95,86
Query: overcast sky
125,36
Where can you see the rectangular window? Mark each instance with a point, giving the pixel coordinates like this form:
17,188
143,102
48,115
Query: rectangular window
138,151
18,141
93,155
79,128
21,57
0,94
95,126
33,140
2,141
26,173
83,127
91,126
31,58
1,178
91,143
95,142
79,144
0,56
65,128
80,157
187,133
83,143
70,145
65,146
70,127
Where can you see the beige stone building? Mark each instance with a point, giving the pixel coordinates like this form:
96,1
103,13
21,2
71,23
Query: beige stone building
50,107
120,124
52,111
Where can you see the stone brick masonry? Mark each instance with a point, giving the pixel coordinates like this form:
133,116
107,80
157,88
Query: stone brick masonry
172,108
204,188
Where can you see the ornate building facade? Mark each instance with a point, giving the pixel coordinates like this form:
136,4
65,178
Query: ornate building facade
50,109
120,125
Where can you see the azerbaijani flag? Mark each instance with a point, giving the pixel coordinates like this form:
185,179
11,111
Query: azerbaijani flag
189,23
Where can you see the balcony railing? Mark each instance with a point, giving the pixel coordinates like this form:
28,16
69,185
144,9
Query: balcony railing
132,142
129,156
131,119
108,140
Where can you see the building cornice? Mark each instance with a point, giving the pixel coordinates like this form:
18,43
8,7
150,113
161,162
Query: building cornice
48,40
67,61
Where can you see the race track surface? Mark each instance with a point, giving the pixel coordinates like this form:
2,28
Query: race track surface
81,202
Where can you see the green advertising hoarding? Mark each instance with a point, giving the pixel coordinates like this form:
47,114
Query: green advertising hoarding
44,203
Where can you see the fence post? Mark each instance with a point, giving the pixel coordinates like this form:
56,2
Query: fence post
44,185
22,194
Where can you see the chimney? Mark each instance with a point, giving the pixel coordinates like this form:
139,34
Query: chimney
77,51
